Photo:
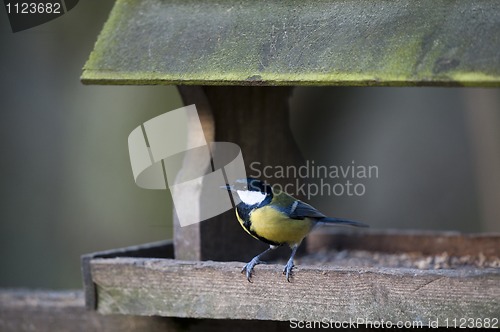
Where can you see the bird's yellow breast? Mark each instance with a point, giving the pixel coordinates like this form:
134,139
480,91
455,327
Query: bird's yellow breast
275,226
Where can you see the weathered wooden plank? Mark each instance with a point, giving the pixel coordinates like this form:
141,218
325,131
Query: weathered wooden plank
217,290
161,249
54,311
295,42
64,311
427,249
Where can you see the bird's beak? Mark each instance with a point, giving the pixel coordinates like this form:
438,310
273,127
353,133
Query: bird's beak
227,187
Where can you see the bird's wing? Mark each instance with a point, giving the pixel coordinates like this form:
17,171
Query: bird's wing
301,210
294,208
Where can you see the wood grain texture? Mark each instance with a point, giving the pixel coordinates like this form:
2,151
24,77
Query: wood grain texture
160,249
63,311
217,290
294,42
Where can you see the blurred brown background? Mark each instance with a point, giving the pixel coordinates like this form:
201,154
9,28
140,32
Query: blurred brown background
67,186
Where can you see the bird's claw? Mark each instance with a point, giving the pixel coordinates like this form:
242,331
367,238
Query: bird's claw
288,270
248,268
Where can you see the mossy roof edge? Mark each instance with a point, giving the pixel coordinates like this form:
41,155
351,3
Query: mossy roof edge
339,42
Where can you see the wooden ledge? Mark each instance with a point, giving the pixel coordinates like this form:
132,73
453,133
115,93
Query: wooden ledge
217,290
333,291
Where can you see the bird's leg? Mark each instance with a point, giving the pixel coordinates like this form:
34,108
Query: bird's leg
248,268
289,265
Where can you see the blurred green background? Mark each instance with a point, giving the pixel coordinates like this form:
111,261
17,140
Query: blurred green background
67,187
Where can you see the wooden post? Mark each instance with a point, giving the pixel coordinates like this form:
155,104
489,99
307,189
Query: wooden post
257,119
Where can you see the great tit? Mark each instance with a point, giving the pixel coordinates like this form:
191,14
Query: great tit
276,218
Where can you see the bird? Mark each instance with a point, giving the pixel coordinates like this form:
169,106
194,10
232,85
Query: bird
276,218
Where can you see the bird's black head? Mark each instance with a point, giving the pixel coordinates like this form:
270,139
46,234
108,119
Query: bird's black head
251,184
251,191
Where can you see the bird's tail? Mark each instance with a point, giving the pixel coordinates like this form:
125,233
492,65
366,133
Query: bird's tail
327,220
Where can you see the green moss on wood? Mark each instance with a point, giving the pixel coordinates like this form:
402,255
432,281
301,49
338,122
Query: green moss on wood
335,42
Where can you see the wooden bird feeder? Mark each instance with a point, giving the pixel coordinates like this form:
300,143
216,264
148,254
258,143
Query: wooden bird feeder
238,61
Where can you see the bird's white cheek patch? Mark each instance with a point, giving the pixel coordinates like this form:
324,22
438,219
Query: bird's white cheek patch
251,197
